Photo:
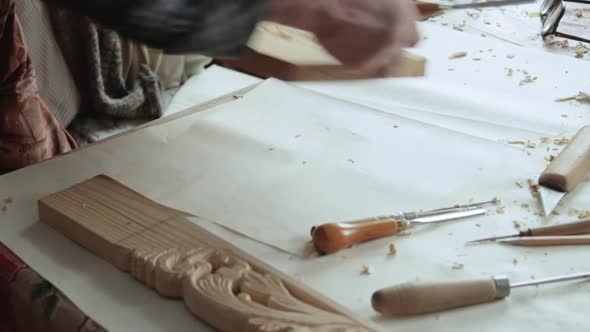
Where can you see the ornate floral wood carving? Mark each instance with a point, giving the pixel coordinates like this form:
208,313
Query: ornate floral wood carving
160,248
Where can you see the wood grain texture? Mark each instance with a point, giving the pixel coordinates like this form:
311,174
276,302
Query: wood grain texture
295,55
161,248
571,166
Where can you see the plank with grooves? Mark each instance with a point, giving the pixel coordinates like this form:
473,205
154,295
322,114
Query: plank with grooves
160,247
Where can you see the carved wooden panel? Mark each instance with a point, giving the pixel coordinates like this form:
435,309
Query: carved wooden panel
162,249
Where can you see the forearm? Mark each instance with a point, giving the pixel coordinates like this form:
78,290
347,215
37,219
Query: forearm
220,27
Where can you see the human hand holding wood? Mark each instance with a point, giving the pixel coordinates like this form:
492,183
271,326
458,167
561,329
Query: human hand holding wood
369,35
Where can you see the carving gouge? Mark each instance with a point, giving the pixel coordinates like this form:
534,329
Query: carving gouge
566,171
429,8
411,298
330,238
575,228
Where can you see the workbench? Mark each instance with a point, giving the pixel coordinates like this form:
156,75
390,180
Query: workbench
473,97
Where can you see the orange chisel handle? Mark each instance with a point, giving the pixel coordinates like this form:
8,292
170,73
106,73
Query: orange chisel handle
330,238
427,9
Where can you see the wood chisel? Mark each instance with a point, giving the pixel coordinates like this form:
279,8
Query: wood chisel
566,171
332,237
574,228
430,8
412,299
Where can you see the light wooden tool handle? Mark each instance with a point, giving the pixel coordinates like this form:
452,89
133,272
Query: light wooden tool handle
575,228
571,166
330,238
411,299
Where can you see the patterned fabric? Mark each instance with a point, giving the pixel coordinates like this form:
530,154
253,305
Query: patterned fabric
29,303
214,28
56,84
29,133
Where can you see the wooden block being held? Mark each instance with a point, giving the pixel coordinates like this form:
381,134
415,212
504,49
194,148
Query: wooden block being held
161,248
292,54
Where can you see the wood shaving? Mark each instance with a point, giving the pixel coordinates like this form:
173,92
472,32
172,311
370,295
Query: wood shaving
519,184
500,210
459,26
584,214
550,158
509,72
367,269
581,50
524,205
476,59
457,55
483,35
392,249
473,13
581,96
458,266
516,225
510,56
545,139
540,214
555,213
528,78
487,22
561,141
531,145
534,187
564,43
406,233
515,261
579,13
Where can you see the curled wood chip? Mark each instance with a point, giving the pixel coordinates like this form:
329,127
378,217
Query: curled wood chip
509,72
561,141
458,266
516,225
476,59
473,13
406,233
500,210
545,139
531,145
367,269
555,213
579,13
581,96
392,249
581,50
487,22
519,184
457,55
565,43
584,214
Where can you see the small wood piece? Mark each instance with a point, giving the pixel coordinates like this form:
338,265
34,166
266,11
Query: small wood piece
541,241
412,299
163,249
292,54
333,237
571,166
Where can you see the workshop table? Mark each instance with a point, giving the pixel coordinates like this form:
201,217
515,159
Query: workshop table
447,97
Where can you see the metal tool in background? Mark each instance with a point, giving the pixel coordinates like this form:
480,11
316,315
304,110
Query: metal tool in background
429,8
412,298
551,13
333,237
566,171
565,234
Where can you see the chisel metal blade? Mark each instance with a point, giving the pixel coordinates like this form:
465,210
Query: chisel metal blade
549,199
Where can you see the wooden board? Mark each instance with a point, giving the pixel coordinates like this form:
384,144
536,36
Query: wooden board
161,248
292,54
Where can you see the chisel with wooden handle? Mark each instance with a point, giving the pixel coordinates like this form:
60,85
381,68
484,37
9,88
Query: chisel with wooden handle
413,299
332,237
566,171
574,228
430,8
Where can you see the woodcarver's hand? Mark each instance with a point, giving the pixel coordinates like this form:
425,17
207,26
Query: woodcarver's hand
364,34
